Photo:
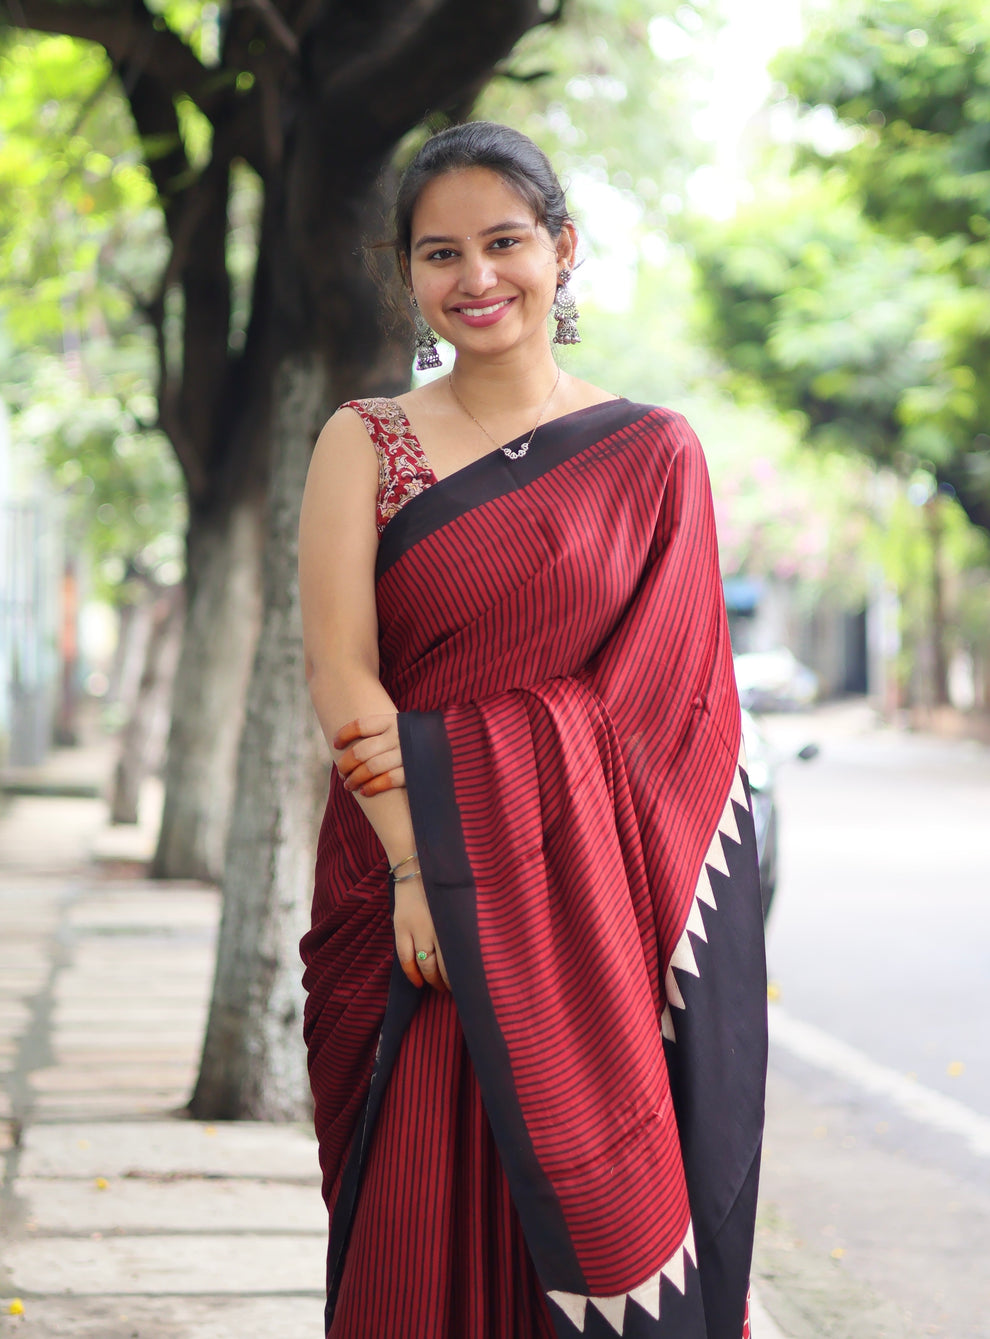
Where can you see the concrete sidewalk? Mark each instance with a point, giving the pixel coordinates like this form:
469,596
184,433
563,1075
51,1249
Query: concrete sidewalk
119,1217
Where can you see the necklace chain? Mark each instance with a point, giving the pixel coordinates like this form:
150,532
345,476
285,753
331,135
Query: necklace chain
524,447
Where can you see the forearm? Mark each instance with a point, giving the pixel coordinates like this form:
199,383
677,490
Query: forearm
341,696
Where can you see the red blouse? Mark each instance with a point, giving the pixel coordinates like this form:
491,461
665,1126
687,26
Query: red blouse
403,470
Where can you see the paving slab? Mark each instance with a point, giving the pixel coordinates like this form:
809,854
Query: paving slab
149,1105
97,992
186,1263
13,1014
134,1077
181,1019
171,1204
286,1317
166,907
113,1148
98,1053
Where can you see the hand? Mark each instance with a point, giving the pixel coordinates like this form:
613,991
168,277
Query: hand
414,933
373,762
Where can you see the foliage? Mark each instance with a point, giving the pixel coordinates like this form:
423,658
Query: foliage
829,317
80,235
782,508
912,79
607,90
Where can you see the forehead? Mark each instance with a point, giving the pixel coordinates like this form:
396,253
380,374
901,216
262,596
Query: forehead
465,201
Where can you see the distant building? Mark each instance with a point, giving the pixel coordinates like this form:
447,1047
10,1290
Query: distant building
766,613
31,609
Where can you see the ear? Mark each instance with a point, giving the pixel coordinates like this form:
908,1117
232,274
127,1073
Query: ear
567,245
405,275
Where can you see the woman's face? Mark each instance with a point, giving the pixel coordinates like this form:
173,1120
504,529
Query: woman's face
483,271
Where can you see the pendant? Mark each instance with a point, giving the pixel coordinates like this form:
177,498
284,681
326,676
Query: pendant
516,455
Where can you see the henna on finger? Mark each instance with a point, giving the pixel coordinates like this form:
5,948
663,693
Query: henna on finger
347,734
387,781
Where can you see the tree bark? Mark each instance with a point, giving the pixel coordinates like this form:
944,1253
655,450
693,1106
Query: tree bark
221,627
143,737
331,90
254,1065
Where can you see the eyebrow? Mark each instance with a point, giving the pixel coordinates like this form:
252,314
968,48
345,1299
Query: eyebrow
509,225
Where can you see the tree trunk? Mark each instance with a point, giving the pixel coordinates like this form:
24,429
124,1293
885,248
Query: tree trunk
143,737
222,616
254,1064
330,315
939,622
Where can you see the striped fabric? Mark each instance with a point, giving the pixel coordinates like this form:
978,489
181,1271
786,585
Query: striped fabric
552,631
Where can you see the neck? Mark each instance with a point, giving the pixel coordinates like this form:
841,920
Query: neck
518,380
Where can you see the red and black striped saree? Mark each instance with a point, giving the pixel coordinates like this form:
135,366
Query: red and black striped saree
571,1145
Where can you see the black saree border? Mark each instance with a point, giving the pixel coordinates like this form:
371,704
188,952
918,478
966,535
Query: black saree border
451,892
403,1001
494,475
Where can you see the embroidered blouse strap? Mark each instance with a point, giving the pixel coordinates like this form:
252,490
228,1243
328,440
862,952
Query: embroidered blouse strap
403,469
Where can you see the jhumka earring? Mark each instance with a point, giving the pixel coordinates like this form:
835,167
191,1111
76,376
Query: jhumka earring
565,312
426,343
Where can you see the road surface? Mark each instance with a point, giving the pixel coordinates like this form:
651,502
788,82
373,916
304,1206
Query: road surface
876,1192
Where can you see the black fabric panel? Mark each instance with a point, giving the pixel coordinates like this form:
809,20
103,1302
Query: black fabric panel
495,475
450,890
725,1263
403,1001
718,1085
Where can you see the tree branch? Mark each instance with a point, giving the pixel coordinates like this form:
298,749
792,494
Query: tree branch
398,78
129,34
274,22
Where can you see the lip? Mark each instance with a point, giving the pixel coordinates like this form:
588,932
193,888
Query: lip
485,312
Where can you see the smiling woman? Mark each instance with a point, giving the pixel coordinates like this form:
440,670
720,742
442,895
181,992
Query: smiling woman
536,1014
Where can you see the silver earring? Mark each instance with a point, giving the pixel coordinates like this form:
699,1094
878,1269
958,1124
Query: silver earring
565,312
426,343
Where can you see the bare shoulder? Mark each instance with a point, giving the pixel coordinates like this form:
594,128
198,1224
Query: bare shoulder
424,399
343,468
578,394
343,431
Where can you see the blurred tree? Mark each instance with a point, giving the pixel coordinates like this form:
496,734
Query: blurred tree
274,123
811,305
815,308
78,229
305,103
913,78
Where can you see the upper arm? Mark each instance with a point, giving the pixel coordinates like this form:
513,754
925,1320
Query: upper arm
338,543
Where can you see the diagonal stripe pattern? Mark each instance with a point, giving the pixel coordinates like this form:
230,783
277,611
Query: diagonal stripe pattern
683,958
646,1295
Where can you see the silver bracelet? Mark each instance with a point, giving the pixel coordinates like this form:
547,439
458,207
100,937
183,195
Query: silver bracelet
404,878
404,861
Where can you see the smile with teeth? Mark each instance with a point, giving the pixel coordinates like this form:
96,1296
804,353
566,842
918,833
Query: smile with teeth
485,311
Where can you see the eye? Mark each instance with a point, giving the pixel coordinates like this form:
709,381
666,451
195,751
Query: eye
442,253
504,243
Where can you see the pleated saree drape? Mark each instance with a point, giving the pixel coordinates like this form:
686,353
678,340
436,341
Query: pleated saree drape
571,1145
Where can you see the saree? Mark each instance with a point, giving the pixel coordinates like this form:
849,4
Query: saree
553,634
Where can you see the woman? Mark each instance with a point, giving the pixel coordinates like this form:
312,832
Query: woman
536,987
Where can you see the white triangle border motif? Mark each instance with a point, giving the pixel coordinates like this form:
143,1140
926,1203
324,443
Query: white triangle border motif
683,958
646,1294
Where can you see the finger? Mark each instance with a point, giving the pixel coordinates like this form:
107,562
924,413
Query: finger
393,780
374,766
407,959
428,966
360,729
347,762
442,968
347,735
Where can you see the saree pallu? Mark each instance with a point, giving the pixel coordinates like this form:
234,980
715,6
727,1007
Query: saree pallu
553,633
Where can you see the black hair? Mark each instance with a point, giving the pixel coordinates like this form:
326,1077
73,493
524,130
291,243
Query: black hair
509,153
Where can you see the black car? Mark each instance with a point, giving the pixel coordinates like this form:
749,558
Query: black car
760,764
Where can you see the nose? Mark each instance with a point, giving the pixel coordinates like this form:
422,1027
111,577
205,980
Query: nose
477,271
